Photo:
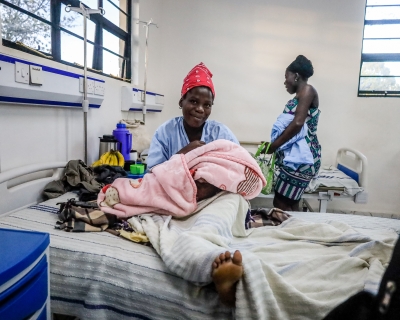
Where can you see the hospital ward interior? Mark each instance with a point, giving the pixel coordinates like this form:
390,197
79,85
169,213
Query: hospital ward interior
191,160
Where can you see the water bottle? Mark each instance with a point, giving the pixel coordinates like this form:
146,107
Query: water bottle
133,156
123,135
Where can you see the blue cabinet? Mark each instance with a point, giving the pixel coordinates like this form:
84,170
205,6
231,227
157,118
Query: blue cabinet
24,275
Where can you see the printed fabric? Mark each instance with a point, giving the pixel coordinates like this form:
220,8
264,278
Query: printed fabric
292,183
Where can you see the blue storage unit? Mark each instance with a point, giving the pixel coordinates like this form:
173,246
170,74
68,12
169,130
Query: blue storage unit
24,275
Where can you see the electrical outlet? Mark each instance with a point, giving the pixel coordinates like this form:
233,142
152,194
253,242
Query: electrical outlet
136,95
21,72
36,75
99,88
90,85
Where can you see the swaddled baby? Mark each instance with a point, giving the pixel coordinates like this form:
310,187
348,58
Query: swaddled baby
205,190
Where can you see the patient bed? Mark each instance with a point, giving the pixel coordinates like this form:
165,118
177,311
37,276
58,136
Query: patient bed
100,276
344,181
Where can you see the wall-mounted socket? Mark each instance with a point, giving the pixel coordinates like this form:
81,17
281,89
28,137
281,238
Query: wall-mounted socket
137,96
90,85
99,88
21,72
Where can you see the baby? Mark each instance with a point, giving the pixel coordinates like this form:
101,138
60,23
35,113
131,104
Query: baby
205,190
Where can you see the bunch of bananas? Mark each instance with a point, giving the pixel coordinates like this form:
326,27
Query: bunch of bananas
112,158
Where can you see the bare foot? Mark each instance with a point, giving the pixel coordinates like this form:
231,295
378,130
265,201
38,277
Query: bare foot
226,272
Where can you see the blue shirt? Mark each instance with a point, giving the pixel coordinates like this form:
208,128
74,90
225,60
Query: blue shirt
171,137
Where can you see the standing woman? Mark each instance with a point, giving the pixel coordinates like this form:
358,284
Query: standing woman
192,129
292,183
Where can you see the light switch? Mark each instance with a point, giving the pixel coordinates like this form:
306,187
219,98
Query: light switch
36,75
21,72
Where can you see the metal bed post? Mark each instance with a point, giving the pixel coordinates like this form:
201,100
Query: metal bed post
147,26
85,12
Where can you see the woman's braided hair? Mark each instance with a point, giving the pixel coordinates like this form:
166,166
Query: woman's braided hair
302,66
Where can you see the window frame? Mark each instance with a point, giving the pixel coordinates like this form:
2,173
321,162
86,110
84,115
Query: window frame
101,24
378,57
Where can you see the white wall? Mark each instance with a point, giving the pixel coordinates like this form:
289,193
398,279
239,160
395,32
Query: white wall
247,45
31,134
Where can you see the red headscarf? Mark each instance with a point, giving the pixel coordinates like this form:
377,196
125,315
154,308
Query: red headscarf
197,77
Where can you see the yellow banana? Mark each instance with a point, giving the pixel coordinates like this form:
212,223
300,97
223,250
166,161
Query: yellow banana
114,160
120,157
97,163
104,157
108,159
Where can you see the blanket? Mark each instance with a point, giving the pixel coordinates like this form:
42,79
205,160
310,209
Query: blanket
170,187
296,150
297,270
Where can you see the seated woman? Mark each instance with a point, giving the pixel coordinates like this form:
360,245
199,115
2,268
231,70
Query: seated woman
192,129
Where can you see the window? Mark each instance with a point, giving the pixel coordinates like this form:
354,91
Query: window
43,27
380,57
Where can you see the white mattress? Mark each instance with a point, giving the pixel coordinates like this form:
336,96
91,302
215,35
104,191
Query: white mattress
100,276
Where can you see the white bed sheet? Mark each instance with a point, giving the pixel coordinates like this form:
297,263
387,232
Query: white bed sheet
100,276
332,177
362,223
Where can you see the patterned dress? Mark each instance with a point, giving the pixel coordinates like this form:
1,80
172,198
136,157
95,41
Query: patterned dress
292,183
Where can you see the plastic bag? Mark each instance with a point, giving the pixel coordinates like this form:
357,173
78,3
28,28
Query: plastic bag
140,137
267,166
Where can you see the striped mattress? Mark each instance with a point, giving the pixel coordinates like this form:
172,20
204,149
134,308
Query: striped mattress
100,276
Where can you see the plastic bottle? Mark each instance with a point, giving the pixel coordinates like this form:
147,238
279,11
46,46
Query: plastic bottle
123,135
133,155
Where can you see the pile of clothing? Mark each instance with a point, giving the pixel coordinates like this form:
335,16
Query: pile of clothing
85,181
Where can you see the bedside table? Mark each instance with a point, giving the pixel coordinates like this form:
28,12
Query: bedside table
24,275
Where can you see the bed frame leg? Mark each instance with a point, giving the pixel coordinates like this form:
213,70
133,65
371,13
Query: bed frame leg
323,205
306,206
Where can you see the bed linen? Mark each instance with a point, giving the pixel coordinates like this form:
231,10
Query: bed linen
100,276
333,178
297,270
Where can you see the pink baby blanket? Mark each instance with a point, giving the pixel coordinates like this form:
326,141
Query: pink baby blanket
170,188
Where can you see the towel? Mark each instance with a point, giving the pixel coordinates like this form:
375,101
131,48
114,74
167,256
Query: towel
296,150
170,186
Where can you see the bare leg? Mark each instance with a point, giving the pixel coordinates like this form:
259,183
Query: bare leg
226,272
281,203
296,206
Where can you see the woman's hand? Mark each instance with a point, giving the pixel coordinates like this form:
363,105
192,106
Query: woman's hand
191,146
271,149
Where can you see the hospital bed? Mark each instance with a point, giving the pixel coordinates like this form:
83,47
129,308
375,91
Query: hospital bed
344,181
100,276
